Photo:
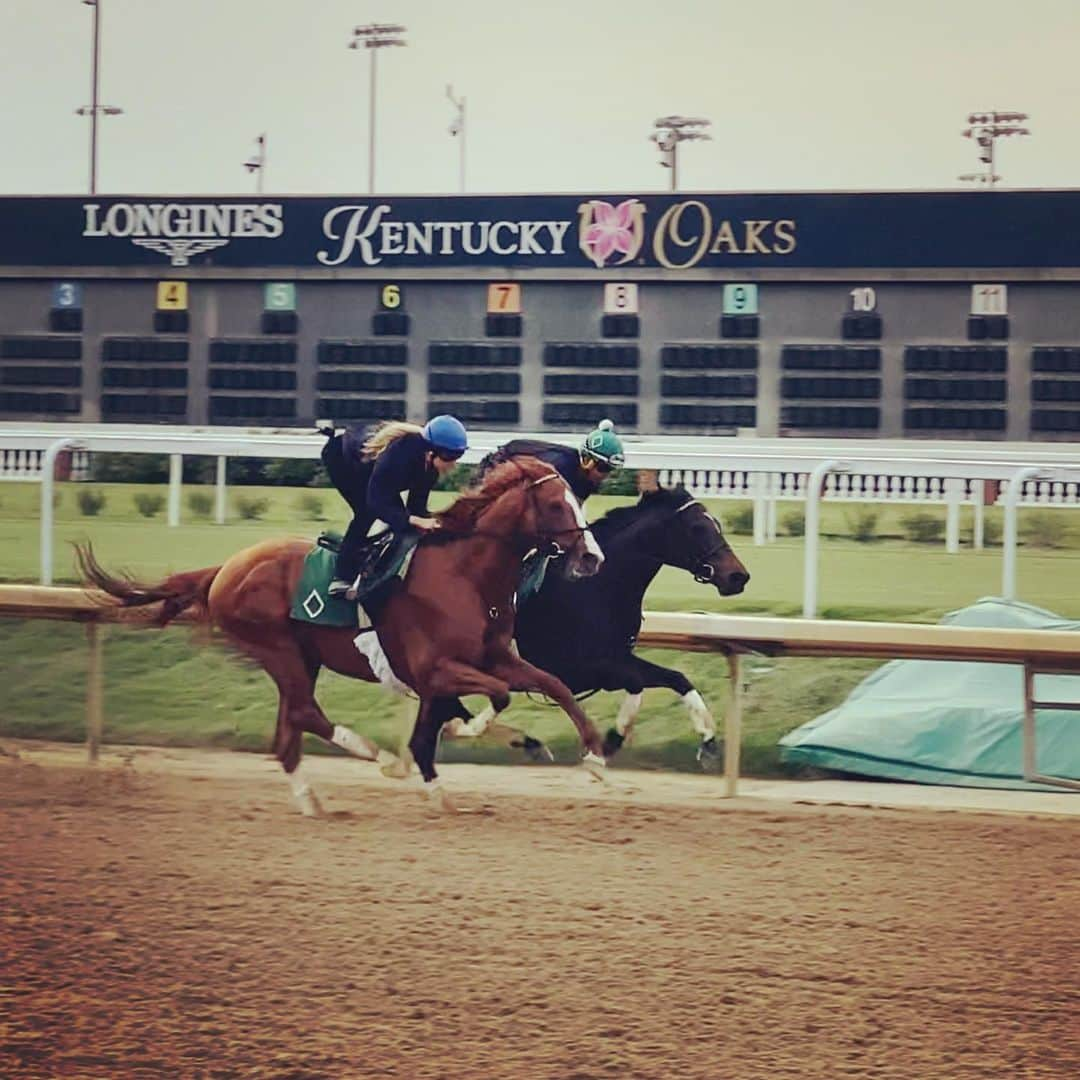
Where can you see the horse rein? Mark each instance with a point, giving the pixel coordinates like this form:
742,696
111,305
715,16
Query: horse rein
554,550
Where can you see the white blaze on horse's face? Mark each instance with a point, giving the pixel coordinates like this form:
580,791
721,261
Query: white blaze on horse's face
591,546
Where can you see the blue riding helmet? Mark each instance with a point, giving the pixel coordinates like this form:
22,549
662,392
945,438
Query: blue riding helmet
446,435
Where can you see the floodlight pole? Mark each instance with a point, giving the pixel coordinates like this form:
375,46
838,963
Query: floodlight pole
374,36
457,128
94,109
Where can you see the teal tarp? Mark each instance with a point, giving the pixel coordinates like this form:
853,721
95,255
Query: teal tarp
947,722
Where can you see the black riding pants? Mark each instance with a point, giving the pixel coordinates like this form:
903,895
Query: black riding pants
351,480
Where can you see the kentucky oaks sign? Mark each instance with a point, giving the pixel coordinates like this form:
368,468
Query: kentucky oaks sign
672,232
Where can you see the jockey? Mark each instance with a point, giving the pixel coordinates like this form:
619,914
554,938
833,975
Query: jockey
371,469
584,469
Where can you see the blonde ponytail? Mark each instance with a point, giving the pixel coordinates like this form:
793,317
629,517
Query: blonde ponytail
389,431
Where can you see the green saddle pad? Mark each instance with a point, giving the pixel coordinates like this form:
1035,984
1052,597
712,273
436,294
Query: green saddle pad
311,602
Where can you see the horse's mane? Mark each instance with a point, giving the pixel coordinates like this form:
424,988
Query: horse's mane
623,517
459,518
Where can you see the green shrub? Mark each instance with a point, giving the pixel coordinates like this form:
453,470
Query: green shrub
921,527
291,472
200,503
251,507
1045,529
620,482
457,479
309,506
862,523
740,521
794,523
992,530
130,468
91,503
149,503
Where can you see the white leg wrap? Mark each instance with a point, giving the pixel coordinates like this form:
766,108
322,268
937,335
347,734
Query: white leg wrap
298,782
628,710
302,793
354,744
474,728
700,716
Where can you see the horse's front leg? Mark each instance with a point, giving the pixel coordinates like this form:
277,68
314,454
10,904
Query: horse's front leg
448,680
521,675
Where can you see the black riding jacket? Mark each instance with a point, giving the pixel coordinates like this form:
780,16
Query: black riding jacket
373,488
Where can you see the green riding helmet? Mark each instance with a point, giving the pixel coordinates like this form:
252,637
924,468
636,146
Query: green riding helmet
604,445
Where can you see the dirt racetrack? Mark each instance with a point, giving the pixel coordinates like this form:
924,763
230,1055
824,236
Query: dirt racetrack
169,915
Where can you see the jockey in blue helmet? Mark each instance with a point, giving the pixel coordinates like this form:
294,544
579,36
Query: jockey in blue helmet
372,468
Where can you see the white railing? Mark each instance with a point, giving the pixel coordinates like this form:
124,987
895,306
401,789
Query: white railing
25,465
766,490
760,469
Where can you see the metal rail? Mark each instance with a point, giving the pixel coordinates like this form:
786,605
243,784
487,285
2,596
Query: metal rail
1038,651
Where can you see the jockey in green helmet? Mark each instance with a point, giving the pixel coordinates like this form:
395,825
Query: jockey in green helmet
584,469
601,453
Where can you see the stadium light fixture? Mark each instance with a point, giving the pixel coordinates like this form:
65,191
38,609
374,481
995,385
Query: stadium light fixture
985,128
672,130
257,162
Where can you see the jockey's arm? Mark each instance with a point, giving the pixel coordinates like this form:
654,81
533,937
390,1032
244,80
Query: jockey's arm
389,478
417,502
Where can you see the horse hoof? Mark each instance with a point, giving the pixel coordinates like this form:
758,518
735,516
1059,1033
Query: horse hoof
536,751
613,742
398,769
309,804
595,766
709,754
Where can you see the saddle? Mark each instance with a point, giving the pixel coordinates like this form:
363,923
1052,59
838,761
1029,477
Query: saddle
382,563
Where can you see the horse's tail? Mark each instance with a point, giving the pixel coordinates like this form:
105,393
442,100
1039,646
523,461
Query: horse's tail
176,594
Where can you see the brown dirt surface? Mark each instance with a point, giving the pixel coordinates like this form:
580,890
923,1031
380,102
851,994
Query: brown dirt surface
168,914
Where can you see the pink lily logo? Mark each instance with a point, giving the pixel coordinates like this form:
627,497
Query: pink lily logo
604,229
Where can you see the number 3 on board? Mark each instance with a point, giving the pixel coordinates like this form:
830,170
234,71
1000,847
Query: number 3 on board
504,299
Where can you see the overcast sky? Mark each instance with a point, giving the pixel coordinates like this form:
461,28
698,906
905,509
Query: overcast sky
561,94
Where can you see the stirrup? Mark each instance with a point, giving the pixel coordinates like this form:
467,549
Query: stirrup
340,587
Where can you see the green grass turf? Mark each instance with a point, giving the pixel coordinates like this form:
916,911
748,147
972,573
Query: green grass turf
162,688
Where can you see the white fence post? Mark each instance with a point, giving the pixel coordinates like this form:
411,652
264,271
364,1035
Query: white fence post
1008,539
761,508
176,473
814,484
219,492
954,493
48,468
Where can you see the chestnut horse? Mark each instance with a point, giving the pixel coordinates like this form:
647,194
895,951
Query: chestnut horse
446,629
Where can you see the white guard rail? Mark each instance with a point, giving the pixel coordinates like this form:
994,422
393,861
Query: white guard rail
1039,651
689,459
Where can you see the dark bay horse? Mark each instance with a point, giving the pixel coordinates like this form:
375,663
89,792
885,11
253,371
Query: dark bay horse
446,629
584,631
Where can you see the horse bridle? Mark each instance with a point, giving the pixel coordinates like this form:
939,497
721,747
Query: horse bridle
545,543
552,545
705,572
